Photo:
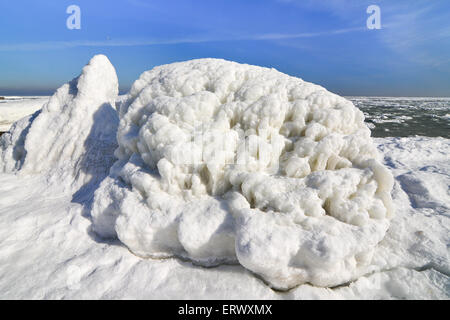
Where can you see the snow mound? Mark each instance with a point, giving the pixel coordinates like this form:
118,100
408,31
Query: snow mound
73,137
220,162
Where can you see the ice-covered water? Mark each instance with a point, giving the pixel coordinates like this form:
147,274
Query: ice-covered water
295,228
13,108
405,117
386,116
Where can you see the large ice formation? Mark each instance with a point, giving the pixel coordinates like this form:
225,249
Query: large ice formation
220,162
72,137
216,162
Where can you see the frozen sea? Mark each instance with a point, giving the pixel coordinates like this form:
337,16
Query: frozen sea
48,251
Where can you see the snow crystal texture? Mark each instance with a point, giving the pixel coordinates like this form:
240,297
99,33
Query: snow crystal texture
220,162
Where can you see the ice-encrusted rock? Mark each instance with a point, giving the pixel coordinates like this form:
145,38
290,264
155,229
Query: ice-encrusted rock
224,162
72,137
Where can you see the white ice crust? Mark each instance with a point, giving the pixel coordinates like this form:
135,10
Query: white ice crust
16,108
70,138
47,253
220,162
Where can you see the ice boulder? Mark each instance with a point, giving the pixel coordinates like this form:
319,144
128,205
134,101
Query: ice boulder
220,162
72,138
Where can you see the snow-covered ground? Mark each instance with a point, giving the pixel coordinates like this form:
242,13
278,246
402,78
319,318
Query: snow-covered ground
47,248
314,217
14,108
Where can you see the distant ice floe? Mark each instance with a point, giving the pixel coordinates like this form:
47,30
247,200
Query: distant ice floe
14,108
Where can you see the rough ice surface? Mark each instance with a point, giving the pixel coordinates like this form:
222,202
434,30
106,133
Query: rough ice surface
15,108
220,162
70,138
47,253
253,212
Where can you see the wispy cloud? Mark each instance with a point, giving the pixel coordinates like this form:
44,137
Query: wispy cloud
278,36
416,31
52,45
344,9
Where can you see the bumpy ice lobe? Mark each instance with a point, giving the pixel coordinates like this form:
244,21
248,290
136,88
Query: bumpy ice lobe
220,162
72,137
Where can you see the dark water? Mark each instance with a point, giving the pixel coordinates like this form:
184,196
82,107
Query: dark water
404,117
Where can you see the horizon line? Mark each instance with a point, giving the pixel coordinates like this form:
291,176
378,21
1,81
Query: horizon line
123,92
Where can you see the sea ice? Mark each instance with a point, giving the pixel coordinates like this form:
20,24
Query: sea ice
224,162
15,108
46,251
217,163
70,139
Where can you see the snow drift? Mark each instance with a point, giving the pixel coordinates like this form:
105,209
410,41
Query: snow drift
72,138
220,162
216,162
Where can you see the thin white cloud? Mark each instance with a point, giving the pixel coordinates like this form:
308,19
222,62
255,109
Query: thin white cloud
278,36
51,45
414,31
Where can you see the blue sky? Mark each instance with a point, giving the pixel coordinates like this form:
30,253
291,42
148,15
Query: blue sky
322,41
